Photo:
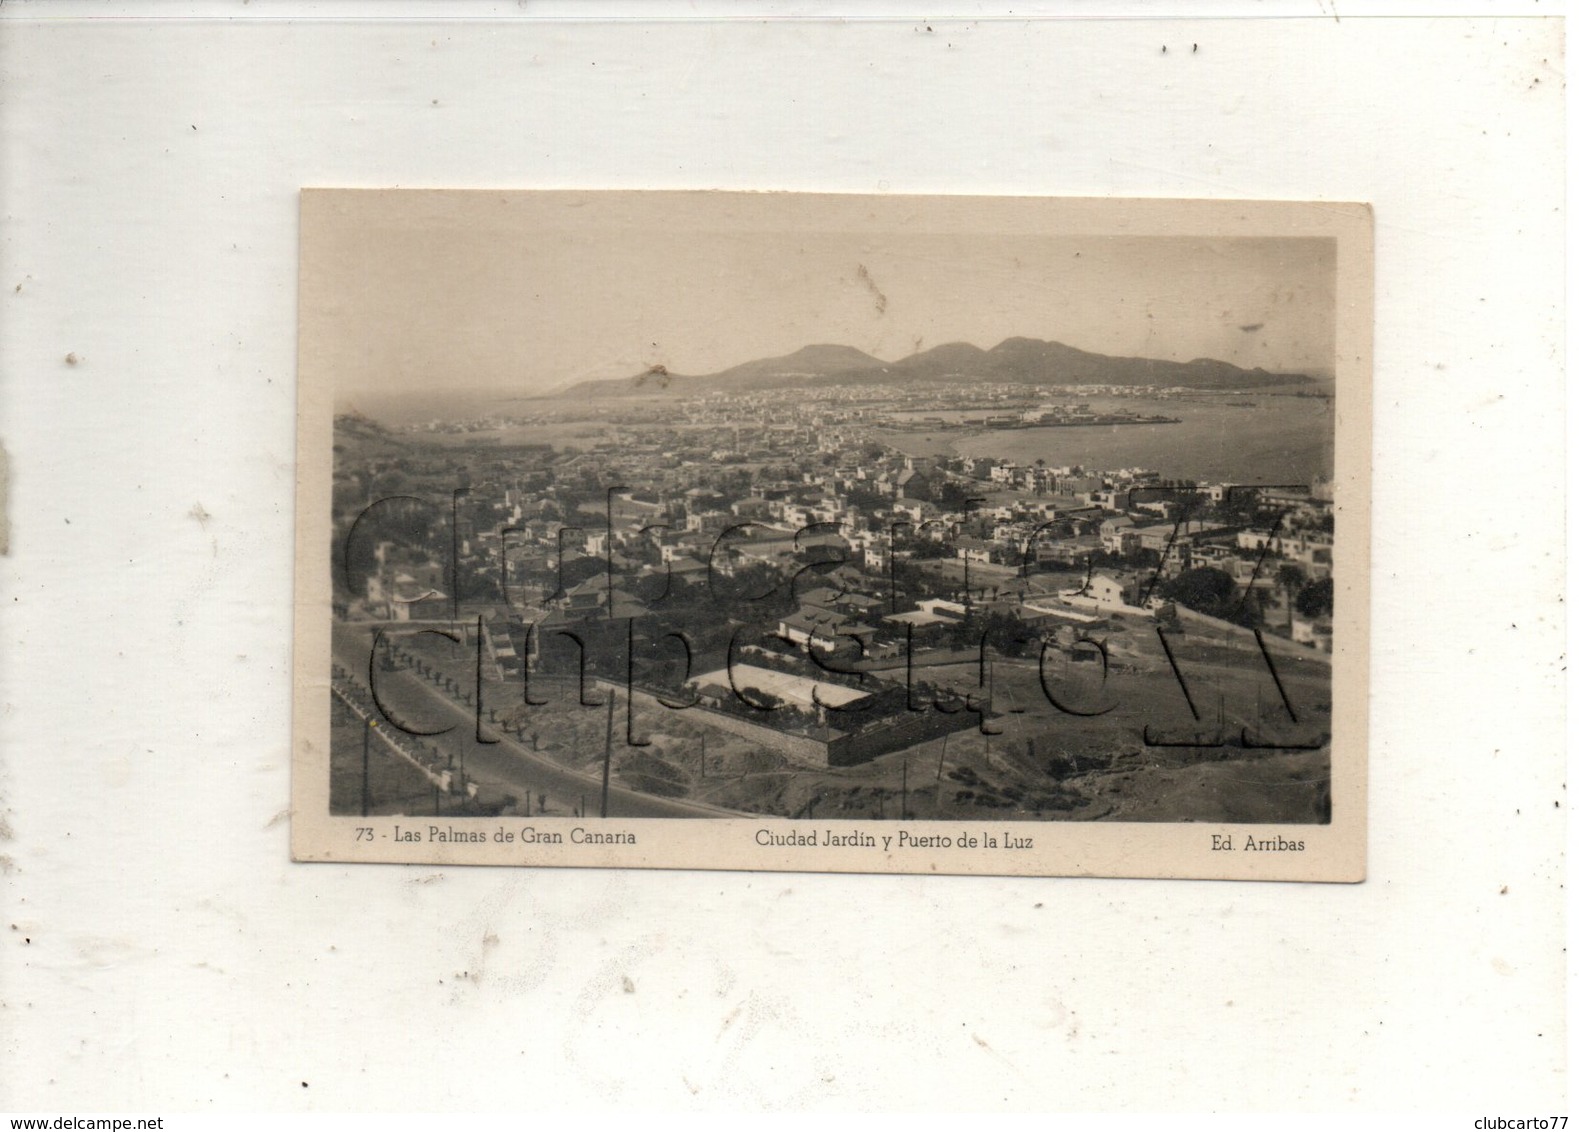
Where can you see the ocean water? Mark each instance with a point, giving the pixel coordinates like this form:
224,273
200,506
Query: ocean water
408,406
1273,440
1269,440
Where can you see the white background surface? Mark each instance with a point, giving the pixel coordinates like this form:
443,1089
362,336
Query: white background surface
159,952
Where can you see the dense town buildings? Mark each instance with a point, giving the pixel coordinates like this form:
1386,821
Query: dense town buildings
812,566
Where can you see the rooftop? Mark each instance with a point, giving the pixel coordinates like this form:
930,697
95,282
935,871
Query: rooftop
797,690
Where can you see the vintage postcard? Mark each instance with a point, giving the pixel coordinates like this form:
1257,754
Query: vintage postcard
833,533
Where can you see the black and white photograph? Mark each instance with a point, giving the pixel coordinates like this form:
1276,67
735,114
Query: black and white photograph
730,560
825,510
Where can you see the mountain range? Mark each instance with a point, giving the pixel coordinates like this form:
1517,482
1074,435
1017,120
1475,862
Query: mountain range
1025,361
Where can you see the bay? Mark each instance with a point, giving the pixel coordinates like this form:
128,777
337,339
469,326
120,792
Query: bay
1261,439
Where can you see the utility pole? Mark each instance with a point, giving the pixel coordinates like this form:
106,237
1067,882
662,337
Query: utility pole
904,790
367,737
608,755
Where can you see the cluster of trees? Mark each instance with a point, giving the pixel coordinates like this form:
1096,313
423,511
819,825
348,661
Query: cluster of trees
1208,590
1006,634
414,527
1315,599
1212,592
1140,558
948,494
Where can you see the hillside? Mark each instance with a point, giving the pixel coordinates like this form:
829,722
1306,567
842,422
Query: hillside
1028,361
808,364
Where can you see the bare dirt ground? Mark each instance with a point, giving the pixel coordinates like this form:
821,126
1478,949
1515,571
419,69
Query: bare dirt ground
394,785
1041,762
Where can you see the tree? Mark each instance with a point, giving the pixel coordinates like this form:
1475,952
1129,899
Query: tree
1204,589
950,496
1007,634
1290,579
1315,600
652,589
578,570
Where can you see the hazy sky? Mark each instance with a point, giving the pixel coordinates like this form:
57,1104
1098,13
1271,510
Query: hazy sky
416,298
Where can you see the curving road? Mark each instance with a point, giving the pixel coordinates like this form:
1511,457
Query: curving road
507,764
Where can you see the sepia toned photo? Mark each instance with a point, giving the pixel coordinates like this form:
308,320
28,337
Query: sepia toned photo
833,533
